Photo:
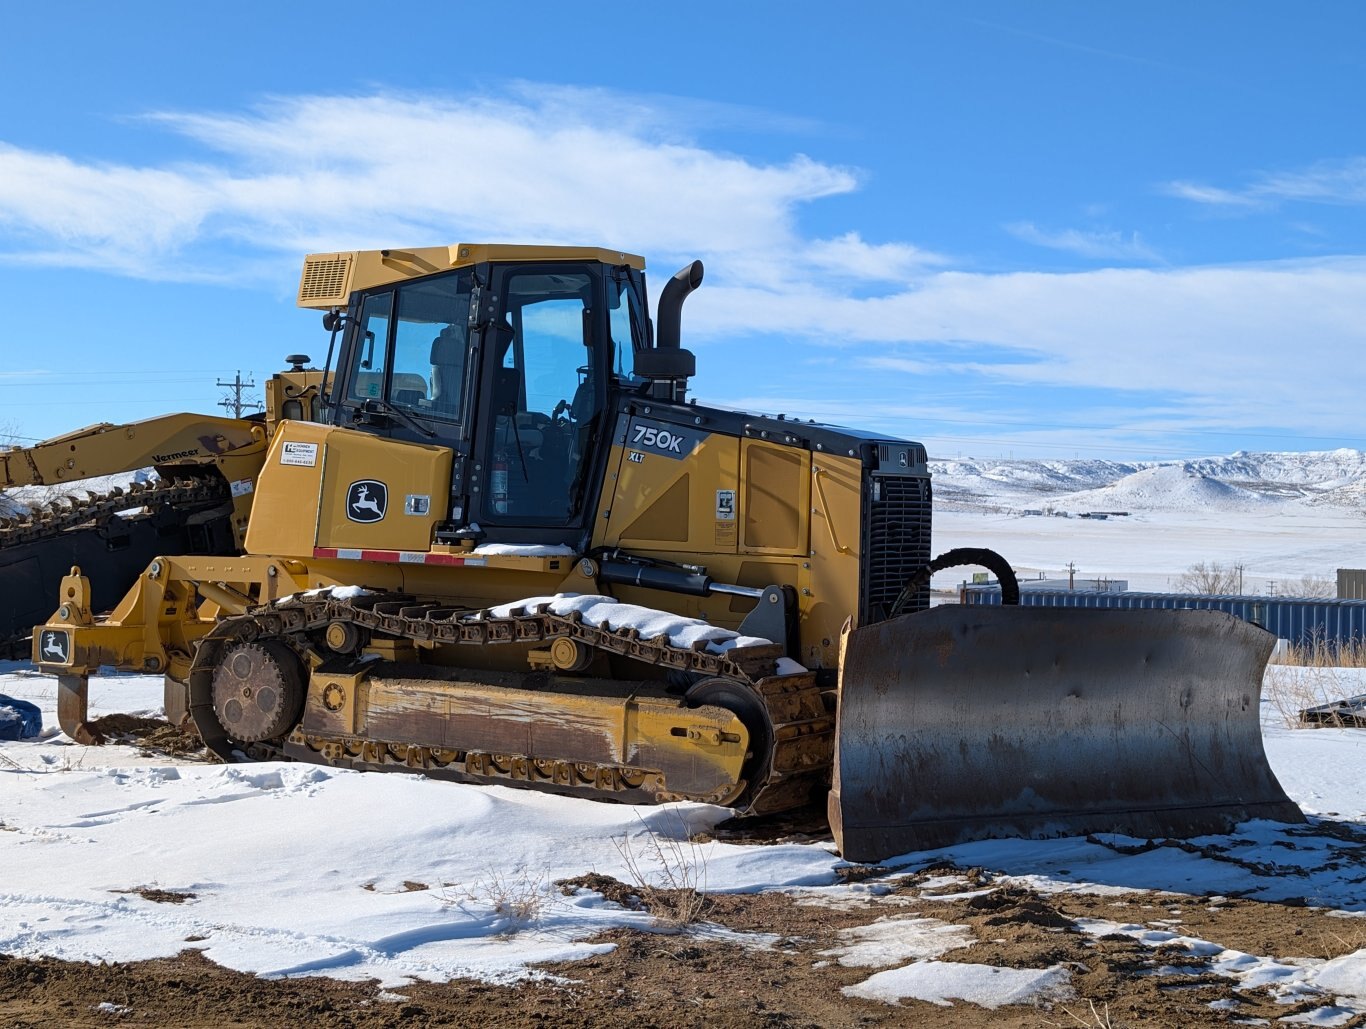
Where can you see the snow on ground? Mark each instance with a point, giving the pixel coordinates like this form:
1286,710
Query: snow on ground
942,982
300,869
1150,550
1319,477
1282,517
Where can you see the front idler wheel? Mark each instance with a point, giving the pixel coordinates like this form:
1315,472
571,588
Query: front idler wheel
748,706
258,691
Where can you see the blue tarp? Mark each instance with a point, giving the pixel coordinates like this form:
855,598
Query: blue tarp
19,720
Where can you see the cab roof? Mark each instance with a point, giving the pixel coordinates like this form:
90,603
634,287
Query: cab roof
328,280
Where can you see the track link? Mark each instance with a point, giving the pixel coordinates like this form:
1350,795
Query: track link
802,735
72,511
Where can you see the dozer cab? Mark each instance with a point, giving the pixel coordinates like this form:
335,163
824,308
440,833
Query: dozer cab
515,552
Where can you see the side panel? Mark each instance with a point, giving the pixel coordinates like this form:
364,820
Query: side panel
775,498
324,486
672,489
830,589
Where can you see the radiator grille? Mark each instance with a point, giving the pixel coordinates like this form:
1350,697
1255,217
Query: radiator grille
325,278
896,543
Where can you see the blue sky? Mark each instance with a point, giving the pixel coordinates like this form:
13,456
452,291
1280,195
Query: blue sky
1047,230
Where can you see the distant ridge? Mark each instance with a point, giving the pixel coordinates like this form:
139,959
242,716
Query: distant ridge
1243,481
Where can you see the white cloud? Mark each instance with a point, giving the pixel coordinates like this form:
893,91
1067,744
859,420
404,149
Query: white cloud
1100,245
849,256
1251,345
1241,345
1329,182
319,173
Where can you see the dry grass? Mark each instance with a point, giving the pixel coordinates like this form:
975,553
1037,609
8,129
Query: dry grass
1319,652
669,871
1292,688
515,893
1312,674
1094,1020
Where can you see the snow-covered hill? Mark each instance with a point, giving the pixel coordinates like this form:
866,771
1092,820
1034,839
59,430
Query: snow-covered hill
1167,487
1242,481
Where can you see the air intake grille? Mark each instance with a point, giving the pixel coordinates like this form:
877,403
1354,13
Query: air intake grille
896,542
325,278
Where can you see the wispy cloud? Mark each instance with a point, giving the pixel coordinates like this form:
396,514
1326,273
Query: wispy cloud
850,257
1341,182
1328,182
1098,245
1212,195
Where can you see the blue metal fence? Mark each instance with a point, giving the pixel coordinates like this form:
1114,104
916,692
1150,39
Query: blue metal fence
1303,621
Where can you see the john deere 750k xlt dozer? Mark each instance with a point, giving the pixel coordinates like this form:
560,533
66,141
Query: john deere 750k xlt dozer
515,553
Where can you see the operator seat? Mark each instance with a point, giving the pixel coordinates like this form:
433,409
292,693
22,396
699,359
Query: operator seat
448,369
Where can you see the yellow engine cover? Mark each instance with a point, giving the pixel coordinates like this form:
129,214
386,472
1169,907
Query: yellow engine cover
330,487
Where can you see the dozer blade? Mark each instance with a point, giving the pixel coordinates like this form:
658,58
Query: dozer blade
963,723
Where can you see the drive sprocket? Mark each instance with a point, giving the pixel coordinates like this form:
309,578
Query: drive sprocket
258,692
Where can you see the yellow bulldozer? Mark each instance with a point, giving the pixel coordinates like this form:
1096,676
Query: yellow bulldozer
511,550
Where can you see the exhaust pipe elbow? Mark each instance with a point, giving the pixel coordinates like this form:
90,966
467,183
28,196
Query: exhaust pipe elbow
676,290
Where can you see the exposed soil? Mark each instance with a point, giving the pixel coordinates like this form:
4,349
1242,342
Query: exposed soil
680,977
152,736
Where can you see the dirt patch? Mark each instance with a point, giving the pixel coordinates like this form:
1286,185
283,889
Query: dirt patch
694,976
153,736
803,825
159,896
614,890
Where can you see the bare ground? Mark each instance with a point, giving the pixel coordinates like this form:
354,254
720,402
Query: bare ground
681,977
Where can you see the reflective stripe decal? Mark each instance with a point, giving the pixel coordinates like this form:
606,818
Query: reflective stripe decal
406,557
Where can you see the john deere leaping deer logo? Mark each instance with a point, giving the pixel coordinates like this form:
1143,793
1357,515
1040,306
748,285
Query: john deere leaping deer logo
367,500
55,646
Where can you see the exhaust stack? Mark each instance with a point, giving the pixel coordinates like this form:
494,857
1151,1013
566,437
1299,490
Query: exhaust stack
668,366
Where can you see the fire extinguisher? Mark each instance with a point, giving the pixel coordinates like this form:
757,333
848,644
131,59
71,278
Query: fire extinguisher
498,482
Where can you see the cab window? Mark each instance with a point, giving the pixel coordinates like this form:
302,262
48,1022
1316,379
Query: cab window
413,347
431,345
366,378
545,396
625,324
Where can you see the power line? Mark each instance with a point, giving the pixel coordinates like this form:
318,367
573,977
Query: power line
235,401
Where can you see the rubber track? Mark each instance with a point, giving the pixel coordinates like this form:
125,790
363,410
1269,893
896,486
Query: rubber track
803,729
70,512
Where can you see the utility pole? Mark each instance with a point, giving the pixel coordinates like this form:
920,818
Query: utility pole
236,402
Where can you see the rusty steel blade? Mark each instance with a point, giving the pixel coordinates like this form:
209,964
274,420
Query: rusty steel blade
963,723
